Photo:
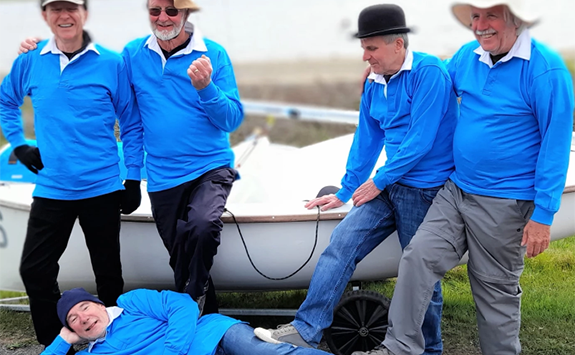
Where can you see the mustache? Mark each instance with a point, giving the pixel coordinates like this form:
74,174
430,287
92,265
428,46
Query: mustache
486,32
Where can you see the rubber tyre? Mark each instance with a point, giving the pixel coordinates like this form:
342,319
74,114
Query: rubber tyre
359,322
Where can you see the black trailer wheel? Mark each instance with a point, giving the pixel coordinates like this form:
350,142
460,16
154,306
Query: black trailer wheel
359,322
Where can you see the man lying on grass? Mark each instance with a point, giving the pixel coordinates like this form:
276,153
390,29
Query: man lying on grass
152,322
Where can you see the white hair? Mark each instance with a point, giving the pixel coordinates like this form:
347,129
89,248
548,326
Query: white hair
510,18
390,38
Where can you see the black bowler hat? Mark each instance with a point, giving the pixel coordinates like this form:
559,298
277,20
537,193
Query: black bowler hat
380,20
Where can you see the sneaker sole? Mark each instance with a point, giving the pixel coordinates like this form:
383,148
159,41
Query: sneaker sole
264,335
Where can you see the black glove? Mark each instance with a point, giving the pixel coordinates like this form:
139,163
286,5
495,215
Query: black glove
29,156
131,196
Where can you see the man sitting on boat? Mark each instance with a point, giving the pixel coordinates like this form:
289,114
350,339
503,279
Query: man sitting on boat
78,90
152,322
189,103
511,150
408,106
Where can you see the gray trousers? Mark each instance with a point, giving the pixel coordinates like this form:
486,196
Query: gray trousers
491,229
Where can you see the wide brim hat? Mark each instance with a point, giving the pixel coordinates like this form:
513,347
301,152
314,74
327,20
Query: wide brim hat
381,20
462,11
46,2
186,4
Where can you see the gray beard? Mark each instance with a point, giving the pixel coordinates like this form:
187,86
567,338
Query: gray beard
167,36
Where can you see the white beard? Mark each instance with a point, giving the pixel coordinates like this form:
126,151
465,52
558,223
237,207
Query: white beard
168,35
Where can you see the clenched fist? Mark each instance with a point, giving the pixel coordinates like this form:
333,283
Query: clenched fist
200,72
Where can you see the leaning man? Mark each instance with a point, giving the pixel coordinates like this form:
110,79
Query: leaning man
408,107
78,89
511,150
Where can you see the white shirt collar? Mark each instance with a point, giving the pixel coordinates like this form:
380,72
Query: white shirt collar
51,47
196,43
407,65
521,49
113,313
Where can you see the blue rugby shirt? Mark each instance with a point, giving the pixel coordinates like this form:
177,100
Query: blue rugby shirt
153,322
413,117
513,136
76,104
186,132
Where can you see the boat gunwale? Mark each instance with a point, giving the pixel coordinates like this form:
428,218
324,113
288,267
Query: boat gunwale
227,218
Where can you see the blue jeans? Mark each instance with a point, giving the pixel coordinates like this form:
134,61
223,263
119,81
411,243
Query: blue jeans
398,207
240,340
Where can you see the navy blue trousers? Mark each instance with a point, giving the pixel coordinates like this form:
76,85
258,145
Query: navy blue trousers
188,220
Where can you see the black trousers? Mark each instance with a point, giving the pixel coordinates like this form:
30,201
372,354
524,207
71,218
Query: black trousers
49,229
188,220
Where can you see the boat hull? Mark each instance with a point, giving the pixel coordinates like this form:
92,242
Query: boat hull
277,248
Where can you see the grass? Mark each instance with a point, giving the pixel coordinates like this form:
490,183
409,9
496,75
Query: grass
548,305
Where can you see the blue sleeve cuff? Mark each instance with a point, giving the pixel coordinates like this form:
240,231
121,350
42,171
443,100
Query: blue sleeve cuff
543,216
58,346
208,93
134,174
20,141
381,181
344,194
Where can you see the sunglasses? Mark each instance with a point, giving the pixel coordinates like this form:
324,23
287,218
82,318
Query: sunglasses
170,11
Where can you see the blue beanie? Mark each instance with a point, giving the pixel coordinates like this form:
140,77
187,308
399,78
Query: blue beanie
71,298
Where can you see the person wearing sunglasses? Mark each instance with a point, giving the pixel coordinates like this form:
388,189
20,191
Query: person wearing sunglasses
78,90
189,103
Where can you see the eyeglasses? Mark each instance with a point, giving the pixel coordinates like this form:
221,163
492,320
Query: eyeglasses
170,11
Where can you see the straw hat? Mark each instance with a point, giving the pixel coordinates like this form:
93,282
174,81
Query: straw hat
186,4
462,11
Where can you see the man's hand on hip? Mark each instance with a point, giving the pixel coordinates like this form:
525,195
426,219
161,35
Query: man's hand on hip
326,202
537,237
365,193
200,72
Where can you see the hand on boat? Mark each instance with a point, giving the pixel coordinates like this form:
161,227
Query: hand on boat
30,157
69,336
365,193
537,237
326,202
200,72
29,44
131,196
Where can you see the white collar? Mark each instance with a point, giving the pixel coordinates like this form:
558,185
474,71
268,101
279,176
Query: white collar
521,49
113,313
407,65
51,47
196,43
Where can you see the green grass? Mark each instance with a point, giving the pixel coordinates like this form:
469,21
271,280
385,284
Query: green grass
16,330
548,305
